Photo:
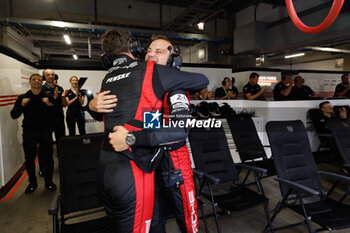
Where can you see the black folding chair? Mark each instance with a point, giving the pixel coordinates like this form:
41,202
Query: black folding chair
341,134
248,144
220,183
300,181
326,151
78,162
340,130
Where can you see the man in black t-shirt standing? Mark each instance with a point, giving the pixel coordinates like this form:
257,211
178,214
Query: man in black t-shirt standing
36,107
56,91
283,88
343,88
252,90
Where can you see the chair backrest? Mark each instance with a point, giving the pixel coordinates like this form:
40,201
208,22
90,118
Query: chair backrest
315,116
341,134
292,153
246,137
337,107
211,153
78,161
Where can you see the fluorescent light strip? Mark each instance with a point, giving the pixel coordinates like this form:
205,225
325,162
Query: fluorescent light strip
295,55
67,39
75,57
328,49
58,24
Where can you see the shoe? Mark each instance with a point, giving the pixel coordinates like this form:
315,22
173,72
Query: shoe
50,186
30,188
42,173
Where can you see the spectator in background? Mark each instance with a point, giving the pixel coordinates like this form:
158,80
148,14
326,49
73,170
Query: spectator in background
56,80
233,87
301,91
56,91
284,87
204,95
328,113
224,92
252,90
36,107
343,88
75,114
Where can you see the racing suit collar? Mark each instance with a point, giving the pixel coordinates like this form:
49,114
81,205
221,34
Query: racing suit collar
122,59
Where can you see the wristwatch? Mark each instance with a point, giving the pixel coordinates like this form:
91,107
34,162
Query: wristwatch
130,139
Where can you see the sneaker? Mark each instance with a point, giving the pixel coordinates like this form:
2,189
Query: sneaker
42,173
50,186
30,188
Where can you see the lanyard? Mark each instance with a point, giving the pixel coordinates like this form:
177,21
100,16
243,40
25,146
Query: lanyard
226,92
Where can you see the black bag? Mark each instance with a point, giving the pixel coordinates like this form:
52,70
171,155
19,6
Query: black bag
226,110
214,109
203,109
193,110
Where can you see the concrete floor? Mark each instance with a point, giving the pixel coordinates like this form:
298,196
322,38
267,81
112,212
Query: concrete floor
28,213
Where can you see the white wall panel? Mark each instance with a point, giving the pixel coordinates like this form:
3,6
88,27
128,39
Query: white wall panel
13,81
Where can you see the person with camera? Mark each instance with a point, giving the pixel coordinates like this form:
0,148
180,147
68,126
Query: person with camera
74,101
36,107
126,178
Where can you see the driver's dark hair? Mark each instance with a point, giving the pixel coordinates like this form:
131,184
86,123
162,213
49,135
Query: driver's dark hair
115,42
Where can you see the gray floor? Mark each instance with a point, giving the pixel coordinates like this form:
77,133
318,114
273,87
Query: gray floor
28,213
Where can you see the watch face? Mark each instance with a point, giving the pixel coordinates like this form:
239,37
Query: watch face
130,139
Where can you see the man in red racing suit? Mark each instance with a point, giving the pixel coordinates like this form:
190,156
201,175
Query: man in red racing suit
125,188
173,178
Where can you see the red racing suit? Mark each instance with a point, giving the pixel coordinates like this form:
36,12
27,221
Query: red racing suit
126,190
175,166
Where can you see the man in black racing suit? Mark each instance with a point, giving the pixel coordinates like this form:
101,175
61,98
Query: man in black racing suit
126,189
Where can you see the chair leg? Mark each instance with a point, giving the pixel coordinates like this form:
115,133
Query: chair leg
246,177
332,188
343,197
201,203
267,213
204,219
278,208
305,213
55,223
214,208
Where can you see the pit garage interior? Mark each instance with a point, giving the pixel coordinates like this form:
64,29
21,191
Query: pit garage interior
217,38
